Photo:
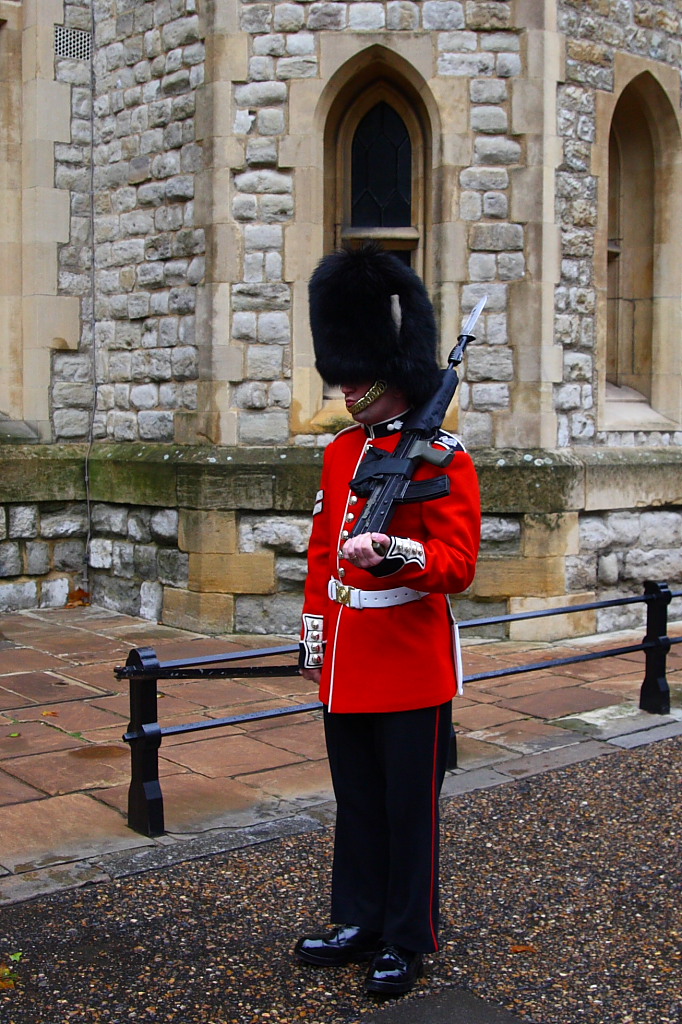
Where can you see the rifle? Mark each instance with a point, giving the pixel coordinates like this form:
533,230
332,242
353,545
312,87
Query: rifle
385,478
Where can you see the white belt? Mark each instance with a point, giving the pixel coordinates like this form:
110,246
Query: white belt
355,598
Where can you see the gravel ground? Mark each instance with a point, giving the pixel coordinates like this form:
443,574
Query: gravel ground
561,902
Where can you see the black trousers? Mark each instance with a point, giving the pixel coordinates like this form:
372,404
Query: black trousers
387,770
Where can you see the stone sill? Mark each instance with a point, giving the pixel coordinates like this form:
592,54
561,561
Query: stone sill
512,481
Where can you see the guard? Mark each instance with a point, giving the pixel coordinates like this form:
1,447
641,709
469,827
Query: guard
378,634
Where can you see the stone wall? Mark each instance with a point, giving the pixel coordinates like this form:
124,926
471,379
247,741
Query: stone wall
596,37
137,146
190,284
215,539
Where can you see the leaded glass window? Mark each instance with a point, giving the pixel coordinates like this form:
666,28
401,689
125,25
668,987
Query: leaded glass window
381,170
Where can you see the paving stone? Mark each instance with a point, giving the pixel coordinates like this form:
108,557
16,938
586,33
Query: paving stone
521,686
556,703
195,804
480,716
459,781
80,768
306,738
25,738
10,700
100,675
12,791
526,737
308,782
639,739
559,757
61,829
25,660
71,716
212,693
31,884
474,753
43,688
232,757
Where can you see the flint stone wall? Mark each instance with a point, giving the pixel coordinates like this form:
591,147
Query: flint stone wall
139,360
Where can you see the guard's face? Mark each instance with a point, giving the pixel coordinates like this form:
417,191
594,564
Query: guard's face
385,407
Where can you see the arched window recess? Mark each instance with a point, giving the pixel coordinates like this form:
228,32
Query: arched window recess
379,179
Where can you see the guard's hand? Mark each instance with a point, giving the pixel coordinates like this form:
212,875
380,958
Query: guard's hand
313,675
367,549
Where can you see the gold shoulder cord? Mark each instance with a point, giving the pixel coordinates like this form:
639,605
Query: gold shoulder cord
377,389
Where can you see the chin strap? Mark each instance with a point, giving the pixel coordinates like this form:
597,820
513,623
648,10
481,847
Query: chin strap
376,391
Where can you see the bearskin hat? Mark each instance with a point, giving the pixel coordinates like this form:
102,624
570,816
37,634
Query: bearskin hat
371,319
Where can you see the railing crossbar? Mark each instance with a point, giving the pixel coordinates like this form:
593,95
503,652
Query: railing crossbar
538,666
545,613
217,723
132,671
143,670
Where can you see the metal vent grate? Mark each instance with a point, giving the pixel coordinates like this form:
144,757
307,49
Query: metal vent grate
72,42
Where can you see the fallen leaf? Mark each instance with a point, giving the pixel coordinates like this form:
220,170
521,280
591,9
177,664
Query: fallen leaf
524,949
13,735
50,714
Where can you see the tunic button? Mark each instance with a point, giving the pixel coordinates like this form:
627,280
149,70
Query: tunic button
314,636
316,659
345,534
342,573
353,500
350,517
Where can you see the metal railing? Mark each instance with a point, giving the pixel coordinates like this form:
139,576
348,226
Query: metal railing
143,669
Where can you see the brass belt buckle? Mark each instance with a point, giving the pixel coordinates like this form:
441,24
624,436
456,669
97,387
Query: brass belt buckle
342,593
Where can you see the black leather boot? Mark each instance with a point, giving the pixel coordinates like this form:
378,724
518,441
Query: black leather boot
347,944
393,970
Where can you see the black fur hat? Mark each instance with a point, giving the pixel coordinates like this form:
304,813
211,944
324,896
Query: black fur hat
361,332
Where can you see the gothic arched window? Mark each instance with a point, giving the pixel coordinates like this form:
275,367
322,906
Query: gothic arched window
643,281
380,174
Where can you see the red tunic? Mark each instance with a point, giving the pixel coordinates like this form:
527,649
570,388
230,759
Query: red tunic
401,657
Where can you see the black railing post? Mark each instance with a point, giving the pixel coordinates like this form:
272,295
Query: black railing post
452,750
654,695
145,800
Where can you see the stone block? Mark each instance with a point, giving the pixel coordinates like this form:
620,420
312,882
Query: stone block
69,555
632,478
173,567
554,627
16,596
252,573
550,534
54,593
121,595
10,559
23,521
37,558
164,525
41,473
135,474
202,613
70,521
207,532
151,601
519,577
101,553
280,613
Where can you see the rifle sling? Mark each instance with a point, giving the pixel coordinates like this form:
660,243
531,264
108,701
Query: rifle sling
375,470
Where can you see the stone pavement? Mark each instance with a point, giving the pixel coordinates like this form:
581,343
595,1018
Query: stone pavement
64,769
